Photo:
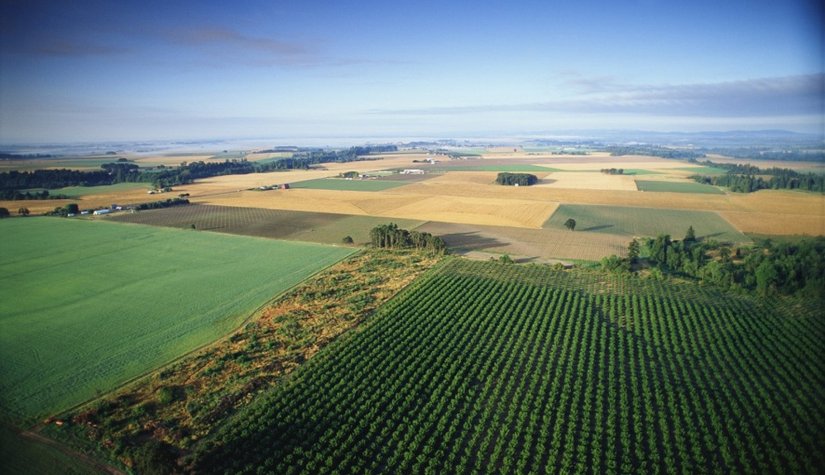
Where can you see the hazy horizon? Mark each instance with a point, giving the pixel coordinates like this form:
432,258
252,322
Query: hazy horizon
98,72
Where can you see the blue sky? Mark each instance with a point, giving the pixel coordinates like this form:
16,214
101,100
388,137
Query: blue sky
103,70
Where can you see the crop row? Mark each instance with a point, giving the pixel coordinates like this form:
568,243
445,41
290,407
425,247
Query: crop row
484,368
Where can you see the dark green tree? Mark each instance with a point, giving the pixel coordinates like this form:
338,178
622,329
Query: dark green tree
4,213
72,208
570,224
690,235
633,251
23,211
347,240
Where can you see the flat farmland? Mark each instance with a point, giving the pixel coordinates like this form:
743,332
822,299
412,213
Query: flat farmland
82,191
588,181
677,187
87,305
534,245
326,228
627,221
348,185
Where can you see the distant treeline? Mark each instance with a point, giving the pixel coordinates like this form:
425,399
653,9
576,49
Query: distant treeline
787,268
392,237
801,155
30,195
161,177
613,171
745,178
520,179
653,151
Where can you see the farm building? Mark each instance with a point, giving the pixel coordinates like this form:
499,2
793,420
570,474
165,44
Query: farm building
285,186
412,171
101,211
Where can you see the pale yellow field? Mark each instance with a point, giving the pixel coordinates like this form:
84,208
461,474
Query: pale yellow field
776,223
587,181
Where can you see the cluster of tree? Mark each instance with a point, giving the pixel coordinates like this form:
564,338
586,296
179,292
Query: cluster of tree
71,208
613,171
745,178
788,268
653,151
520,179
392,237
349,174
30,195
4,212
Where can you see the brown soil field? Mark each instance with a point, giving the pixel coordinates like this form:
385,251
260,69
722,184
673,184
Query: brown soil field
527,244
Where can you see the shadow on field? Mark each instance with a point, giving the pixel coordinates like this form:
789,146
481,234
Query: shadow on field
598,227
470,241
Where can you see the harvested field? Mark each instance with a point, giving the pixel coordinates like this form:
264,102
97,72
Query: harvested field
677,187
588,181
535,245
484,211
776,223
626,221
326,228
702,170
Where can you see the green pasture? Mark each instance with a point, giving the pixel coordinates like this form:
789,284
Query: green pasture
630,221
348,185
516,167
23,457
677,187
81,191
87,305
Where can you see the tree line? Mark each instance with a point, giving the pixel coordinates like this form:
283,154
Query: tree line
768,267
390,236
520,179
652,150
13,182
745,178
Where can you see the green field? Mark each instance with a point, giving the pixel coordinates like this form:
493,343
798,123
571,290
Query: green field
481,367
629,221
640,171
87,305
325,228
81,191
347,185
24,457
677,187
516,167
